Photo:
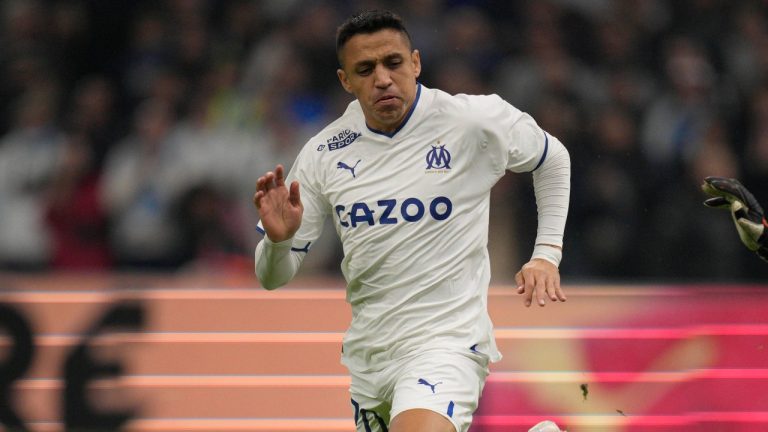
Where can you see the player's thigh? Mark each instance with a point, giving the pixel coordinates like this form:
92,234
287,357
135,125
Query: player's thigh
421,420
447,384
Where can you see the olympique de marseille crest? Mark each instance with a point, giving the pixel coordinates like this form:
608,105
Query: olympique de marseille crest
438,158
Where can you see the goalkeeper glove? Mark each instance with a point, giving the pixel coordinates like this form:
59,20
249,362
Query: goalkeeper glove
746,213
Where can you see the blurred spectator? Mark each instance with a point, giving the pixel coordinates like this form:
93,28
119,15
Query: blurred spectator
424,23
676,121
745,49
142,180
24,58
546,67
470,37
149,53
755,158
74,213
610,199
622,53
28,156
456,75
92,115
227,104
214,151
677,250
68,32
210,231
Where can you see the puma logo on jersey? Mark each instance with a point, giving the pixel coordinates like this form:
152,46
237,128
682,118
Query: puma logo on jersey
342,165
431,386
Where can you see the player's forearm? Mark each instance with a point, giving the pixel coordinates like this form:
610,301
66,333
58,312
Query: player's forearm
552,186
276,264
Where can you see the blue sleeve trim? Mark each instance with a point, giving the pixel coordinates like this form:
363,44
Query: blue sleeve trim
543,156
305,249
260,230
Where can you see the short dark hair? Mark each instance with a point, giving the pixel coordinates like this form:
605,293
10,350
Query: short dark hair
368,22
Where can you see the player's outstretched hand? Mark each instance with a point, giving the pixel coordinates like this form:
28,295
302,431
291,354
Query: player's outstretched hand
279,207
538,281
747,215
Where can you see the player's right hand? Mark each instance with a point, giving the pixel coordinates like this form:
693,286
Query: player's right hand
279,207
538,280
745,211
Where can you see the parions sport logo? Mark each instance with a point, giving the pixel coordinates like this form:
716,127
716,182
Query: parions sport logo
340,140
438,159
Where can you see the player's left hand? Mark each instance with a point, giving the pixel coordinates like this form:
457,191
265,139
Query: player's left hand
538,281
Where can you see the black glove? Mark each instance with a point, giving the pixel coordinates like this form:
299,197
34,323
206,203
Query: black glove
746,212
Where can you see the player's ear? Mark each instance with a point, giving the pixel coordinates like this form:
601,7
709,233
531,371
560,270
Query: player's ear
416,59
343,80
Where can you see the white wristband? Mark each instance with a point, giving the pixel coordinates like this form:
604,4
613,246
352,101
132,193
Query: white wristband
549,253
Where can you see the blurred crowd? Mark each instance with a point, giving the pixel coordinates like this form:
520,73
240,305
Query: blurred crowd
132,131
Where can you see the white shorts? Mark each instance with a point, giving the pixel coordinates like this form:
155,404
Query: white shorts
449,384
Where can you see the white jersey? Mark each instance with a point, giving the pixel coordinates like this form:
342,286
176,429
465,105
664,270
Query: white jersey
411,209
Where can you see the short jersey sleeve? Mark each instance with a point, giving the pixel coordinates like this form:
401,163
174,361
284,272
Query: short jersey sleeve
527,146
316,206
519,141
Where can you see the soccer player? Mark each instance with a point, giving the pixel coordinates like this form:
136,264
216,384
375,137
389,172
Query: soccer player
406,174
745,211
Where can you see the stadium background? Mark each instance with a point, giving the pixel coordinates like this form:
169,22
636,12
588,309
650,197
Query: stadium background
132,133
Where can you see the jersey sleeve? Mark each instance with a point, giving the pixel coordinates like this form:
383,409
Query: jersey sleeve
316,207
525,147
528,145
278,263
518,141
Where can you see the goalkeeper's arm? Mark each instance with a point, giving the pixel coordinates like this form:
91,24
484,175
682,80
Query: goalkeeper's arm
745,211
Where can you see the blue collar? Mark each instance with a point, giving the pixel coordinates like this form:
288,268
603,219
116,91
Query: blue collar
405,120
